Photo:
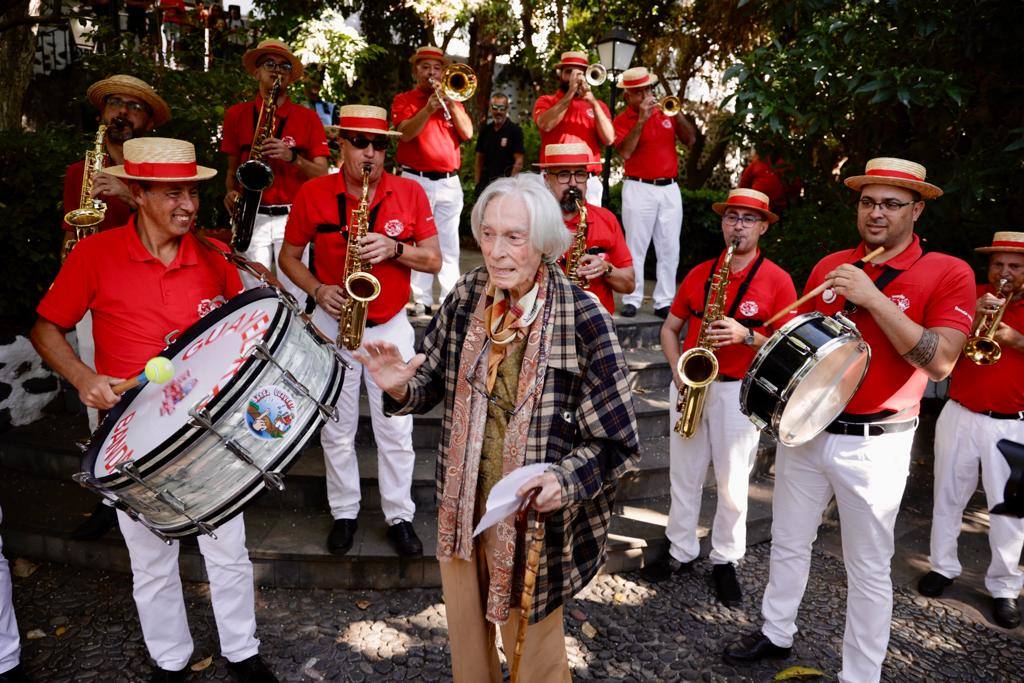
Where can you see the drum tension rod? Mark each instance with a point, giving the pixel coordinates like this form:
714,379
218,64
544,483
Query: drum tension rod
201,417
326,412
87,481
141,519
127,468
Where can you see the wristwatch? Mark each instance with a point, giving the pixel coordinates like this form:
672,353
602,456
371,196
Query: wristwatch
295,156
749,339
399,249
608,269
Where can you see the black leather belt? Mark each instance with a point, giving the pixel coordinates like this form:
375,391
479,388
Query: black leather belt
652,181
430,175
727,378
994,414
275,210
370,323
869,428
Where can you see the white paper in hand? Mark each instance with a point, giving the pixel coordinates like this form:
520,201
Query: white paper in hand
503,500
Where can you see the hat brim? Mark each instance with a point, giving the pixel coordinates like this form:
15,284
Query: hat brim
537,164
202,173
995,250
562,65
251,57
926,190
391,133
100,90
720,207
419,58
653,81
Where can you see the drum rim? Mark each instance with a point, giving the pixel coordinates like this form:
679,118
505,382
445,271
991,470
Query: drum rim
160,454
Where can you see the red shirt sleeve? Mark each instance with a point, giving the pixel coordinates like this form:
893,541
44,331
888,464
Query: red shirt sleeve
300,230
425,227
622,123
402,108
952,302
68,298
543,103
681,303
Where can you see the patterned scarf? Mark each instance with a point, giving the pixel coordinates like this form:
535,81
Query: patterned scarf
493,325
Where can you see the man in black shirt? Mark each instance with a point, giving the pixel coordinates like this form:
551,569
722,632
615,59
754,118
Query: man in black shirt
499,148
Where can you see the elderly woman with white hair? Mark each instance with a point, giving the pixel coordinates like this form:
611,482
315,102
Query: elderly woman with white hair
530,371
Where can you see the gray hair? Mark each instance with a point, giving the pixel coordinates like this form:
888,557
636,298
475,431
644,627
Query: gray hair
548,233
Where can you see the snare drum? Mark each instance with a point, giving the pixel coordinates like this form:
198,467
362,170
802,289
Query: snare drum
252,383
803,377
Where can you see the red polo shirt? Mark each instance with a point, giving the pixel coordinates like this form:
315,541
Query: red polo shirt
118,211
933,290
136,301
655,154
998,387
604,233
403,214
436,148
770,289
578,125
297,126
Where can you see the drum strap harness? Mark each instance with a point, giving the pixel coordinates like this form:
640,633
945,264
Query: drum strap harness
744,286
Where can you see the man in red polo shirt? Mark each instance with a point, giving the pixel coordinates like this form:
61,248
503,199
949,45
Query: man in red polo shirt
144,282
724,437
986,404
652,205
296,151
914,310
606,266
574,114
401,238
429,154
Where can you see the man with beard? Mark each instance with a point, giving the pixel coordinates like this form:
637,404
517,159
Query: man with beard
143,281
574,114
499,148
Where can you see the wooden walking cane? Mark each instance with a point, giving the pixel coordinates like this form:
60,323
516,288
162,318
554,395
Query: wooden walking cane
535,534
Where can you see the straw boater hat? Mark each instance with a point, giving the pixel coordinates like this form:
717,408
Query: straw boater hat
568,154
429,52
637,77
898,172
123,84
162,160
364,118
742,198
271,48
1005,241
579,59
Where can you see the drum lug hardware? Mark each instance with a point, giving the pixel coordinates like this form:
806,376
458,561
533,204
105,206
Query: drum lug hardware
202,418
141,519
758,422
263,353
84,444
165,497
273,480
173,501
290,302
88,482
765,384
799,346
844,321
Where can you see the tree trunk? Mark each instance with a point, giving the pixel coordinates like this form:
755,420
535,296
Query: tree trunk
17,50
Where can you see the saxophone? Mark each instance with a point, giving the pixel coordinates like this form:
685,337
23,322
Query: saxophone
360,286
255,175
698,367
579,240
90,211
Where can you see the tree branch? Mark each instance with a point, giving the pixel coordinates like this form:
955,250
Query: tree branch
30,21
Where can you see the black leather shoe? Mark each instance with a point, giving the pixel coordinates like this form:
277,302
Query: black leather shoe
252,670
628,311
339,541
665,567
662,312
102,520
727,588
404,540
164,676
15,675
933,584
1005,612
753,648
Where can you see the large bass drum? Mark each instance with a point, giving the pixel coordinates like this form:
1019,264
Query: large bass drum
803,377
252,383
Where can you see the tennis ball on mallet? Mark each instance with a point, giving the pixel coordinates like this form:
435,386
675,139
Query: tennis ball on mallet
159,370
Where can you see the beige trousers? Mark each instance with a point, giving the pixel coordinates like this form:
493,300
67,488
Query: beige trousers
471,636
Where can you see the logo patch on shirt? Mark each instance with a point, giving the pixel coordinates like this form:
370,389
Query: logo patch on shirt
288,140
208,305
666,123
590,113
394,227
504,142
901,301
965,313
829,295
749,309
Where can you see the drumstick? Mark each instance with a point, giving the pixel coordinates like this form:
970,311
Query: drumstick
816,291
158,370
536,540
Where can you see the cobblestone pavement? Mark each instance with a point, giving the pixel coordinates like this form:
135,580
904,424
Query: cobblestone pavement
620,628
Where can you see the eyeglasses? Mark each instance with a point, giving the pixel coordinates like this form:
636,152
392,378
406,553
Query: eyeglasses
477,385
498,107
137,107
748,220
889,205
283,67
580,176
359,142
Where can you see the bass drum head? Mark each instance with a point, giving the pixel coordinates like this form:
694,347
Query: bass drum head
823,389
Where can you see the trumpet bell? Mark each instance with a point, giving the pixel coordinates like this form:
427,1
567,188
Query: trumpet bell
670,105
458,82
596,74
983,350
362,286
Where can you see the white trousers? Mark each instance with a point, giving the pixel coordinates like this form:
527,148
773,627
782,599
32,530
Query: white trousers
965,440
650,211
267,237
445,197
726,438
867,476
10,641
161,604
395,457
595,189
87,354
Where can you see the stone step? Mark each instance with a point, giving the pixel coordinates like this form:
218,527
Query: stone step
287,547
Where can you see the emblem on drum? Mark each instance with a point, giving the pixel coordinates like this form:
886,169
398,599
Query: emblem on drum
270,412
208,305
901,301
176,390
393,228
748,308
829,295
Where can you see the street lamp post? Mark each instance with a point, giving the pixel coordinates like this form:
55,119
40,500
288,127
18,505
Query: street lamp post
615,52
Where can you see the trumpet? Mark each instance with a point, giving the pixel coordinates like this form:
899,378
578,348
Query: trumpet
596,74
982,348
458,83
670,105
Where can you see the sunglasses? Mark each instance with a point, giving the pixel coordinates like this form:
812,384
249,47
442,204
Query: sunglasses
283,67
359,142
498,107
